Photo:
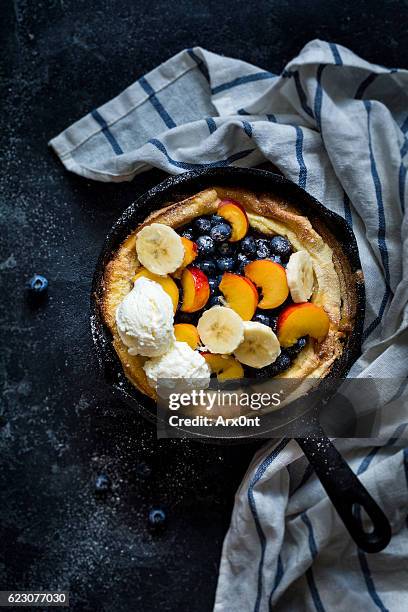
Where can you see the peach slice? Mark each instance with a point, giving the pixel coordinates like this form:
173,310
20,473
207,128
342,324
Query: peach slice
304,319
185,332
165,282
190,251
240,294
270,278
226,368
196,290
236,216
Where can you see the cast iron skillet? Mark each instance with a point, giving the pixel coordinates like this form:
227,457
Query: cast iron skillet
343,487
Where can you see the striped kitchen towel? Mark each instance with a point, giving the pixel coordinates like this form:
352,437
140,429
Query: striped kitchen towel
337,125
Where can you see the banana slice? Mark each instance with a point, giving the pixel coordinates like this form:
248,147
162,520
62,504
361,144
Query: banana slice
159,249
299,274
260,346
220,329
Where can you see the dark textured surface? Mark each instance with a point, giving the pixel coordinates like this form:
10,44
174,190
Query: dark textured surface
60,427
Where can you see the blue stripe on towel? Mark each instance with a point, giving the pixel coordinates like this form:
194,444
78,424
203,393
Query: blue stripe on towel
251,501
106,132
200,64
278,578
404,126
336,54
154,100
299,89
190,166
309,573
299,157
381,225
364,84
212,126
401,185
319,96
364,465
347,210
249,78
247,128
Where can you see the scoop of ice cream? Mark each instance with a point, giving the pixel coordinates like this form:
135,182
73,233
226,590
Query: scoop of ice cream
181,363
145,319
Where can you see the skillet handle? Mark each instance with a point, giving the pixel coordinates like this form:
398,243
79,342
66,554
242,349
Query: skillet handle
347,494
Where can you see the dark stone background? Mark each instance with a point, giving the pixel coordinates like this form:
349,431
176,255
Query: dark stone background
59,425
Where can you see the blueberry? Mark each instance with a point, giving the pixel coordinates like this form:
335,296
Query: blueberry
188,233
157,518
38,284
225,264
277,259
226,248
274,324
297,347
215,219
143,470
202,225
214,300
259,317
282,363
102,483
281,246
262,249
242,261
248,246
213,282
220,232
186,317
208,267
205,245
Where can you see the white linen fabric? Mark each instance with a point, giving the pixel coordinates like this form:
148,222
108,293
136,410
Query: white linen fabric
337,125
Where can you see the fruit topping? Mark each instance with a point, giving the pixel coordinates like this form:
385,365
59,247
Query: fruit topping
215,219
166,283
188,233
299,320
240,294
299,274
270,278
202,225
242,261
190,251
159,248
295,349
236,216
205,246
262,249
281,246
207,266
185,332
221,232
260,346
248,247
221,330
225,367
226,249
196,289
225,264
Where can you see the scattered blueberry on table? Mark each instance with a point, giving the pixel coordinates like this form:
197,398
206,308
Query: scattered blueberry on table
157,518
38,284
102,483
